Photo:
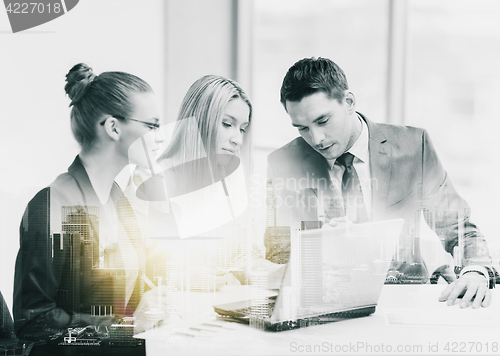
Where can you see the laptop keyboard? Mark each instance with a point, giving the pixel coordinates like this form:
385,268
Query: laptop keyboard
246,311
260,310
265,309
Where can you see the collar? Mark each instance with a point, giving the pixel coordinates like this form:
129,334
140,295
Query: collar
77,170
360,147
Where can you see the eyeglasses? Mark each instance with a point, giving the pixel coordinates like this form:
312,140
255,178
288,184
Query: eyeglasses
153,126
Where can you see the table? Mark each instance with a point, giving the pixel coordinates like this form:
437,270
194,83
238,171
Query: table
409,320
104,350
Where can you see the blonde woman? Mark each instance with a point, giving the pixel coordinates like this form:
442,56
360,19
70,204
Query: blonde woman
205,167
212,133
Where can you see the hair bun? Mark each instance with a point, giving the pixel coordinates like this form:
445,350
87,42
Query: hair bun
78,82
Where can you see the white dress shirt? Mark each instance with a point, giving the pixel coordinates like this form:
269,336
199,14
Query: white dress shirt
361,163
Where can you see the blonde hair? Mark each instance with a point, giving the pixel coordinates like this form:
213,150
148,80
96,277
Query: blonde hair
199,119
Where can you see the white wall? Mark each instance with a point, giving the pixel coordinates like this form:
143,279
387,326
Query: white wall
35,138
198,35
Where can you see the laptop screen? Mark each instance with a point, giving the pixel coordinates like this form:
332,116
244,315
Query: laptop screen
336,269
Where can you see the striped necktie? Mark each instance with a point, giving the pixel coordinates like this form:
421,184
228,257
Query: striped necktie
354,202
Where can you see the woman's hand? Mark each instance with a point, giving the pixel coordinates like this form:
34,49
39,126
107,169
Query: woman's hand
152,309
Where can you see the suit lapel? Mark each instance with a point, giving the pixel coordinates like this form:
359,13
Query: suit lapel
380,168
77,170
315,168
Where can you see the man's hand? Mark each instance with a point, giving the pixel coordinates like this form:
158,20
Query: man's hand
474,285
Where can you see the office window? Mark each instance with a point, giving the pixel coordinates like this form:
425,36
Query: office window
453,83
351,33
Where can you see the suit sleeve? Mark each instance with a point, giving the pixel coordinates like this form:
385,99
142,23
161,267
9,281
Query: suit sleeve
36,281
35,284
451,211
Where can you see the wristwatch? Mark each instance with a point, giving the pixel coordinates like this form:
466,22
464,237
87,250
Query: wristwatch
477,269
492,279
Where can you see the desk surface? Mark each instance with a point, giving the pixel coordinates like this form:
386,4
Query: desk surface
408,320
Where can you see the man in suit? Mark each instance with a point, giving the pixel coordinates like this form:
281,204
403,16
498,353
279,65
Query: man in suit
358,170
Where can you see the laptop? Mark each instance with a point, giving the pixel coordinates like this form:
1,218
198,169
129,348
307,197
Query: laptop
332,274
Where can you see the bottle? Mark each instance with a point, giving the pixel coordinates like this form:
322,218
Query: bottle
416,272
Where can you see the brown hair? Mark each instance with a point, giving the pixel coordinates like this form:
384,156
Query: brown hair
93,97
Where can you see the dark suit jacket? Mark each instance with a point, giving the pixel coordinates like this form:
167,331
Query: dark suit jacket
401,157
36,278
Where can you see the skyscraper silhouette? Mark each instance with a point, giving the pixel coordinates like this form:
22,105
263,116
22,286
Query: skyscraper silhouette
35,243
85,221
270,203
66,264
132,251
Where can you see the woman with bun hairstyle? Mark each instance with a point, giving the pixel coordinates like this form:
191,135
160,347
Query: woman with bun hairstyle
68,228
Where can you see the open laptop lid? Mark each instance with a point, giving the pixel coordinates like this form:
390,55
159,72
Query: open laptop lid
336,269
